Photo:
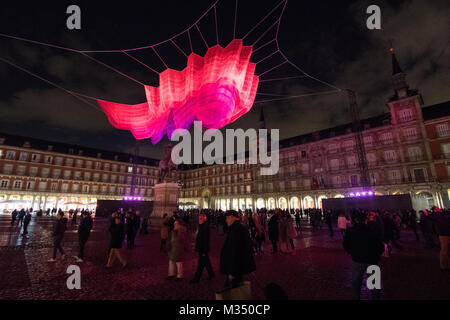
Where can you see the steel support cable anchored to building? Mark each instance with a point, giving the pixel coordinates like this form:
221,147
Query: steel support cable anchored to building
173,41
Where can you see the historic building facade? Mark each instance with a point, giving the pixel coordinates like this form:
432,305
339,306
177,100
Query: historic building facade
40,174
407,151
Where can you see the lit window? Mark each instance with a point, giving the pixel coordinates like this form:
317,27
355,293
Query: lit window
442,130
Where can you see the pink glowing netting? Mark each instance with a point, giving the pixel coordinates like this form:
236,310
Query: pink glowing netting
215,89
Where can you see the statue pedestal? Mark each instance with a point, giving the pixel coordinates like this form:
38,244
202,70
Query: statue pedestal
165,199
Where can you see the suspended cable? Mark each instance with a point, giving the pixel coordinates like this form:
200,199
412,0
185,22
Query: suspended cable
154,50
139,61
206,44
251,30
178,48
299,96
277,66
217,32
112,68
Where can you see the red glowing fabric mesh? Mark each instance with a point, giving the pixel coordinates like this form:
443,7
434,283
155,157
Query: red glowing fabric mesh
215,89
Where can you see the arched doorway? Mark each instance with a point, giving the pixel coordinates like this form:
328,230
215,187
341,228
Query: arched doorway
308,202
295,203
271,203
423,200
319,200
260,203
282,203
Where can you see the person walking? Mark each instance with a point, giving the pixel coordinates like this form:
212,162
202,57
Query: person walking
342,223
291,233
202,246
236,257
130,229
297,219
273,231
366,248
164,232
26,222
176,250
117,231
84,230
60,226
13,216
443,229
329,221
20,217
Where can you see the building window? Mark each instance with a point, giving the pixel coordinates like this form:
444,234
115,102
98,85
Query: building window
7,168
21,170
387,138
45,172
85,188
35,157
69,162
67,174
30,185
303,154
130,169
23,156
442,130
18,184
390,155
4,184
56,173
349,144
368,141
415,154
10,155
406,115
419,175
395,176
410,133
54,186
59,161
48,159
75,187
65,187
33,171
354,180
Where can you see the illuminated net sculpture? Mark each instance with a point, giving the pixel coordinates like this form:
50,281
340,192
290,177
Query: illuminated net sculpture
215,89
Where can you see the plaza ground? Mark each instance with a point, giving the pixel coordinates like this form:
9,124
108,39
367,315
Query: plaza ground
320,270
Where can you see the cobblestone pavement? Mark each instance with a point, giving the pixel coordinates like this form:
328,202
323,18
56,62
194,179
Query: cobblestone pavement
319,270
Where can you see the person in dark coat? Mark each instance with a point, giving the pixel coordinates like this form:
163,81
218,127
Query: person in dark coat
366,248
20,216
13,216
130,229
84,230
329,221
117,231
443,229
74,217
26,222
273,231
202,247
59,228
236,257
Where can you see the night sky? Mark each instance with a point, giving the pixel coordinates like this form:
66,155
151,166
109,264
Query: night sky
327,39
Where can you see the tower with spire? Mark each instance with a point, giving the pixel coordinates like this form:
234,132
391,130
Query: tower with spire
401,87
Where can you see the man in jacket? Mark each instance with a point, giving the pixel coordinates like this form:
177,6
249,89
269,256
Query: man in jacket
202,247
26,222
117,231
236,258
273,231
84,230
366,248
59,228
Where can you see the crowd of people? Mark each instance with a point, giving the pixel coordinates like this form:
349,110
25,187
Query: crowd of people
367,236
